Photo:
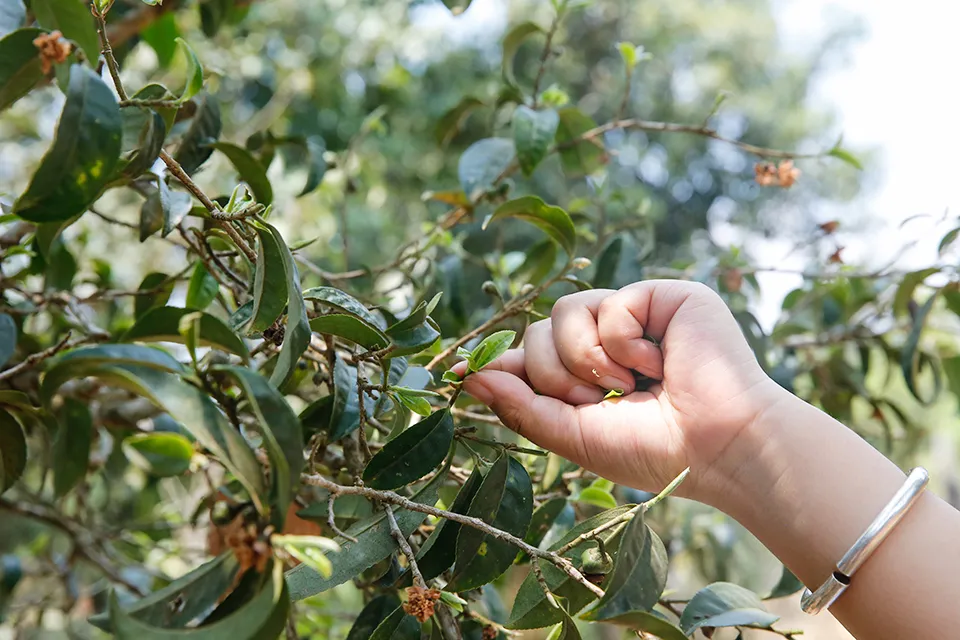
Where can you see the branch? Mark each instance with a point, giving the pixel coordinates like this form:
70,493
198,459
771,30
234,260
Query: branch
330,518
393,498
544,56
38,357
397,534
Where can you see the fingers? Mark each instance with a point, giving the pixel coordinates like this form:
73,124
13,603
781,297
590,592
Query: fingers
577,340
546,371
548,422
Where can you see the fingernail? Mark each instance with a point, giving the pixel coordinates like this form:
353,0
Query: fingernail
583,394
609,382
476,389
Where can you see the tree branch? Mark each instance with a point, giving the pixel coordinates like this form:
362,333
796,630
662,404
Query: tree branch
397,534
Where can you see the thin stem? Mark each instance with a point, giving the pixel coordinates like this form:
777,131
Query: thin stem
538,572
38,357
107,52
158,103
330,518
397,534
545,56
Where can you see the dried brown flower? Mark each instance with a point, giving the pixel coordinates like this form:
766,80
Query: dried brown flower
250,548
489,632
835,257
53,49
787,174
829,227
765,173
421,602
733,280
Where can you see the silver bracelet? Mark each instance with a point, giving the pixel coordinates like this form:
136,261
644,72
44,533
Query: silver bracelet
878,530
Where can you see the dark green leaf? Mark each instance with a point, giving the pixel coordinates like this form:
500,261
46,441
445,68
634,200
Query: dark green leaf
412,454
12,16
160,454
13,451
375,612
83,155
160,287
282,435
151,131
606,273
174,206
511,43
159,92
213,13
649,621
538,263
397,626
316,164
374,543
554,221
531,609
579,157
71,449
73,19
184,599
297,331
414,333
788,585
351,328
269,285
8,338
195,146
482,163
162,35
639,574
265,616
543,518
162,324
491,348
19,65
505,501
722,604
449,124
203,288
345,409
344,302
846,156
908,285
417,404
911,360
250,170
568,629
533,133
194,82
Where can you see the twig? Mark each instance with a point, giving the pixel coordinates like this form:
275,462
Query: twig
397,534
545,56
393,498
40,356
538,572
330,518
158,103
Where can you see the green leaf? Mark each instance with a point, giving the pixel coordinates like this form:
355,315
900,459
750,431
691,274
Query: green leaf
452,377
19,65
543,518
203,288
788,585
533,132
511,43
552,220
414,333
345,408
628,51
162,324
282,436
649,621
160,454
482,163
150,130
440,550
160,287
73,19
639,574
194,82
13,451
606,273
907,287
579,157
911,360
491,348
8,338
412,454
316,164
297,333
213,14
265,616
505,501
343,301
537,264
567,629
162,35
417,404
269,285
596,497
12,16
374,543
310,550
84,153
159,92
530,607
351,328
195,145
184,599
397,626
450,123
845,156
722,604
250,170
375,612
163,210
71,449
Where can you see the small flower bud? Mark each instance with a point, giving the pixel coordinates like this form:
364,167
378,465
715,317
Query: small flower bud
581,263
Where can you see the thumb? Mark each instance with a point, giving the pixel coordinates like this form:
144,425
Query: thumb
545,421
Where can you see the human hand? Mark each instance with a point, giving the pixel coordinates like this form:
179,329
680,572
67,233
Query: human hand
712,386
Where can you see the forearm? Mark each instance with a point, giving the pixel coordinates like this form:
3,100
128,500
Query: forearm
807,487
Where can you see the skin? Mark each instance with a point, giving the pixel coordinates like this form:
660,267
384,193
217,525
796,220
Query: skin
800,481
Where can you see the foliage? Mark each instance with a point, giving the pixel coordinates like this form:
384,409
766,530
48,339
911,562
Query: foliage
267,368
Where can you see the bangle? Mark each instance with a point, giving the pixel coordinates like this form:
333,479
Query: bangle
868,542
